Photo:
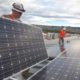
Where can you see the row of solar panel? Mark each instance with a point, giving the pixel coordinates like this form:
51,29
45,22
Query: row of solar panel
64,67
60,69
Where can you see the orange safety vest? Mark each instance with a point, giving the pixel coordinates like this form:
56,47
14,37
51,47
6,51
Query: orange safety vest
62,33
8,16
11,17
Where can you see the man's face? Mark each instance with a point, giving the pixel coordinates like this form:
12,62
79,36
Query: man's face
17,14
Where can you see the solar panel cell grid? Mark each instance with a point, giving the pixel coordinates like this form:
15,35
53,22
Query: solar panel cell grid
60,69
20,47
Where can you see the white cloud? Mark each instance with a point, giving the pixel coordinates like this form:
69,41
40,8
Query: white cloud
44,11
38,20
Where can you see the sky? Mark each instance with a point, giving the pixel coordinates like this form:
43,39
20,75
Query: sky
47,12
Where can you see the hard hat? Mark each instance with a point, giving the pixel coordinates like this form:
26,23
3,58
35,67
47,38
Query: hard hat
18,7
64,28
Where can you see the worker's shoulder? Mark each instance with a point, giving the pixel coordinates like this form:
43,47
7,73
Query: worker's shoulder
5,16
8,17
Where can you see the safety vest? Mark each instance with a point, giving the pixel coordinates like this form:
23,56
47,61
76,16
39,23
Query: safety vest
10,17
62,33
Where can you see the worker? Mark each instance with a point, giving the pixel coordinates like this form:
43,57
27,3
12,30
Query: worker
62,35
17,11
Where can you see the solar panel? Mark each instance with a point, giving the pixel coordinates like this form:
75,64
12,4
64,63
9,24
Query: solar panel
65,67
21,46
60,69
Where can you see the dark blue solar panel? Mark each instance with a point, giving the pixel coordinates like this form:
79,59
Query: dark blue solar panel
20,47
60,69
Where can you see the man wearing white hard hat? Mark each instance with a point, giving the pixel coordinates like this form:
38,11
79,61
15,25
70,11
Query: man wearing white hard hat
17,11
62,35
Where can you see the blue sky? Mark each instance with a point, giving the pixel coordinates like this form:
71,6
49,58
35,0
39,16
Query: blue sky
47,12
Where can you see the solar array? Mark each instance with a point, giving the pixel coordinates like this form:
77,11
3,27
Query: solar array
21,46
60,69
65,67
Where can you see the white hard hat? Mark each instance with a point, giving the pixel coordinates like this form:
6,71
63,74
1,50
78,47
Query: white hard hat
18,7
64,28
